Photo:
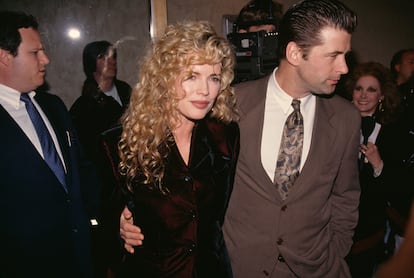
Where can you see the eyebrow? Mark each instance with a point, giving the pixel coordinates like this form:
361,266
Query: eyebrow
198,73
335,53
36,46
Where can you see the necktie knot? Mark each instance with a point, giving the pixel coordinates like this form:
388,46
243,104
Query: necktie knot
295,119
25,98
296,105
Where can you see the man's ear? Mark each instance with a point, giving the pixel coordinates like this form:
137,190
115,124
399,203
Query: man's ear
397,68
293,53
4,57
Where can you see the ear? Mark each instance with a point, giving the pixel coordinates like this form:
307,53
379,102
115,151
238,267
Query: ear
293,53
397,67
4,57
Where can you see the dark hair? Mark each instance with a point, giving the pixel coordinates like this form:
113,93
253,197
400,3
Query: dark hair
397,59
10,23
304,21
390,106
90,55
259,12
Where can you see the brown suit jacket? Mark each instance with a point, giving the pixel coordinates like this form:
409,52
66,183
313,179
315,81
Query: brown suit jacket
312,229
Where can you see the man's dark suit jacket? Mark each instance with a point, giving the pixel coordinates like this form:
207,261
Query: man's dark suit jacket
44,229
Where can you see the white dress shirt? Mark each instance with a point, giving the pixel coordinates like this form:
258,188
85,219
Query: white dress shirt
277,108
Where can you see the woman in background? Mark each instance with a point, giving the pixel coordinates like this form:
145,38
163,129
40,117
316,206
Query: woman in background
374,93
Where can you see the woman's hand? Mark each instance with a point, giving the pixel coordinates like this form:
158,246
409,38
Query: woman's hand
371,152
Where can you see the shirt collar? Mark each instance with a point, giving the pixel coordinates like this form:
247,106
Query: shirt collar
284,99
11,96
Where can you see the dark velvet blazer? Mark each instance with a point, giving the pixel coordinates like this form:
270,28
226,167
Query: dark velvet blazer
44,229
182,228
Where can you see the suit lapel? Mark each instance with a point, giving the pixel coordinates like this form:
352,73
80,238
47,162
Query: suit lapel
11,128
16,143
323,138
253,106
123,92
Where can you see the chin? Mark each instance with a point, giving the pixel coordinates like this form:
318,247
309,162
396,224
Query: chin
199,117
329,90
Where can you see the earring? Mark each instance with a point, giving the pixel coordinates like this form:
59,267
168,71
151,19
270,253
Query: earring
380,106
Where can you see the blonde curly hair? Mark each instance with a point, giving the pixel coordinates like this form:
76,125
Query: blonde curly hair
148,121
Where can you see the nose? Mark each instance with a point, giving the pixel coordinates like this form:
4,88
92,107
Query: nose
342,66
111,59
43,58
203,88
363,93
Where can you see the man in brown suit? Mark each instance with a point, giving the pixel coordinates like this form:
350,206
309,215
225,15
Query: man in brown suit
309,232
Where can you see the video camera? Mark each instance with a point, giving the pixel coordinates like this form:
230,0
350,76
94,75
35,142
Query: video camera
256,54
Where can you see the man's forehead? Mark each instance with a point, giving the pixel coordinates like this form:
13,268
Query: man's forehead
30,35
408,55
335,37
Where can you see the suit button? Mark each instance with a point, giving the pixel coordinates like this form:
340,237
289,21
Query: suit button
281,259
279,241
284,208
187,178
193,214
74,230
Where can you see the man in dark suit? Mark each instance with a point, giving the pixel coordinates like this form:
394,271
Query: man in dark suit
305,231
44,229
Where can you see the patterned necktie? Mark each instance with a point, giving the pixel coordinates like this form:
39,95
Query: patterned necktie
48,147
288,161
